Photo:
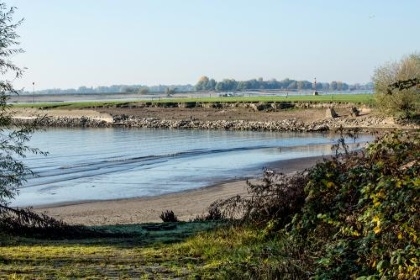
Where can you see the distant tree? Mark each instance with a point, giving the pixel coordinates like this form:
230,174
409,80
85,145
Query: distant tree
84,89
242,85
231,84
143,90
300,85
170,91
285,83
342,86
254,84
211,84
130,90
13,139
220,86
355,86
333,85
227,85
202,83
271,84
339,85
292,85
398,103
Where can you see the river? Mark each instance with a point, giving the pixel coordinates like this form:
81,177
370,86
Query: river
113,163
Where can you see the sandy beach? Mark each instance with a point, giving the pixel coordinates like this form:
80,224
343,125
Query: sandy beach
186,205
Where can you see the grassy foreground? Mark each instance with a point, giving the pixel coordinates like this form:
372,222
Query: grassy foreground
146,254
193,251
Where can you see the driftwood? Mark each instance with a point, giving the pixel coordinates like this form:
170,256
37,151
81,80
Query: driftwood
405,84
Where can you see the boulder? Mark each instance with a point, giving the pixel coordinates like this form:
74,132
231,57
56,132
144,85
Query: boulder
354,112
330,113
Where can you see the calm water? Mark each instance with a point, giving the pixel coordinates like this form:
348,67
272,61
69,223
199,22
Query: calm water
96,164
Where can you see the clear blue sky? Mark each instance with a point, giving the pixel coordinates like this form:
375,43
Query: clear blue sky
104,42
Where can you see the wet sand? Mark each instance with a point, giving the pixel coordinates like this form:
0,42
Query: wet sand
186,205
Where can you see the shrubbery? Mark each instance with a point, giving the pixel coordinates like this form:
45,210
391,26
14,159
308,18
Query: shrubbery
168,216
355,216
274,199
363,210
399,102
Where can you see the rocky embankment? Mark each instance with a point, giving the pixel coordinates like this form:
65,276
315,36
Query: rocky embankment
281,125
169,117
327,124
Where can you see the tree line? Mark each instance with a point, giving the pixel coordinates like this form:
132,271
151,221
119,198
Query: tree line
207,84
141,89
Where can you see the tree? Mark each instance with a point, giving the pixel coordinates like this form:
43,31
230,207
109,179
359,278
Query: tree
220,86
300,85
170,91
400,103
333,85
292,85
13,140
227,85
211,84
144,90
202,83
242,86
253,84
130,90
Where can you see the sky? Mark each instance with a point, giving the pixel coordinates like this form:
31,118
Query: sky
73,43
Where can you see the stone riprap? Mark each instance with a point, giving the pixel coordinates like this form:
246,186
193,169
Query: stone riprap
364,122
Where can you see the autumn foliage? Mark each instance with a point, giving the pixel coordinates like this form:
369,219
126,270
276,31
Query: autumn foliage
354,216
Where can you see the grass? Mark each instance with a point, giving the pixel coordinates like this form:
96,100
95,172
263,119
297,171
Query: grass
201,253
343,98
197,253
366,99
147,255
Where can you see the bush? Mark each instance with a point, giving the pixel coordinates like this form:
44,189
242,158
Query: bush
362,211
214,214
354,216
398,102
168,217
276,198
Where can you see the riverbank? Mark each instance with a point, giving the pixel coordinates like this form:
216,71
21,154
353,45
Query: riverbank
315,118
186,205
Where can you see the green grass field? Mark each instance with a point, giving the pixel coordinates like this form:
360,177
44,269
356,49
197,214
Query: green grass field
193,249
365,99
342,98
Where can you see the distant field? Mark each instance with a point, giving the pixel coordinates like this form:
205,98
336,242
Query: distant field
366,99
344,98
